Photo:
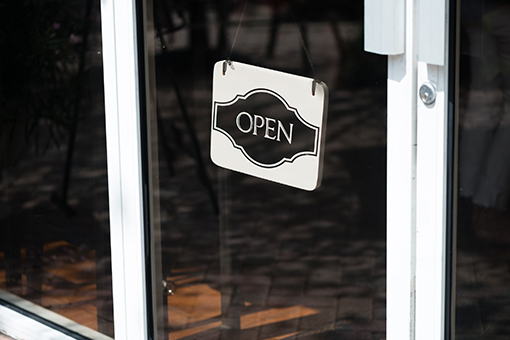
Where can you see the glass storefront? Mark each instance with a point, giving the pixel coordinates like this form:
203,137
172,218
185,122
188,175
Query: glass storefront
203,252
483,235
54,218
242,257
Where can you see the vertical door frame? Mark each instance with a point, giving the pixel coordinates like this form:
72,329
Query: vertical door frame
125,187
401,186
431,200
436,180
421,187
435,170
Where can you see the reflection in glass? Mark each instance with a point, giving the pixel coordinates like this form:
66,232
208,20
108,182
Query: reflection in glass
246,258
483,274
54,228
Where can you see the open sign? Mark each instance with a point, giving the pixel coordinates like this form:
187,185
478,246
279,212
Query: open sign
268,124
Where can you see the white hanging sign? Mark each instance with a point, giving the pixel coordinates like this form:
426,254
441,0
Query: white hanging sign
268,124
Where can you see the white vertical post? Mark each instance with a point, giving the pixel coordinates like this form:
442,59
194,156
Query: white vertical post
124,168
401,240
431,198
431,208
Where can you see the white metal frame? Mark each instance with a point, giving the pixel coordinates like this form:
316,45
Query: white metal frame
401,184
432,186
417,177
23,327
123,139
431,208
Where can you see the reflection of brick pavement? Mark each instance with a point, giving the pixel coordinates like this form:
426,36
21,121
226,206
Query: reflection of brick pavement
483,291
68,277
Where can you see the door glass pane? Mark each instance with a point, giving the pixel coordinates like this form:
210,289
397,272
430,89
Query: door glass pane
246,258
483,257
54,227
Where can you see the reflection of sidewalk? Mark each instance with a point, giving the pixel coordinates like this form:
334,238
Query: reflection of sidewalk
68,286
324,302
70,268
483,296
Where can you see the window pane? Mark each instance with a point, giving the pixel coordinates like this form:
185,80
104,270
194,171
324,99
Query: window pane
246,258
54,241
483,274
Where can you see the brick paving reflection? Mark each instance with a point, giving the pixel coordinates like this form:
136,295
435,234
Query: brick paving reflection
483,293
53,255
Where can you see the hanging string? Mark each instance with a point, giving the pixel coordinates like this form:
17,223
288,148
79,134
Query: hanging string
228,62
301,40
237,31
315,81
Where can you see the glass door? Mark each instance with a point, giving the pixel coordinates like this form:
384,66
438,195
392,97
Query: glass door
239,257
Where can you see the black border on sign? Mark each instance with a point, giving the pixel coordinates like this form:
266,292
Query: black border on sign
288,107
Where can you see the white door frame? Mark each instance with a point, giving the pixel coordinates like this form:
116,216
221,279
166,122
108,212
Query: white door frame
417,181
124,145
436,187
